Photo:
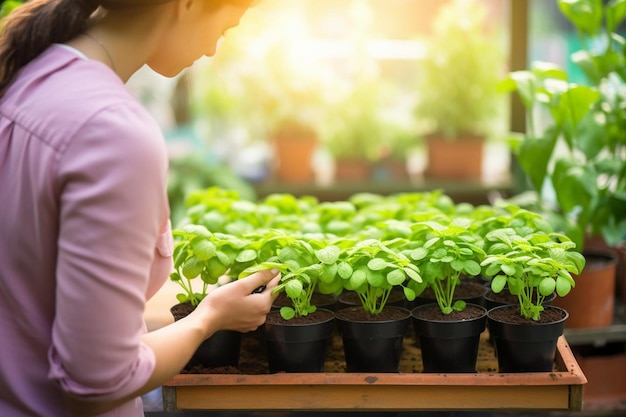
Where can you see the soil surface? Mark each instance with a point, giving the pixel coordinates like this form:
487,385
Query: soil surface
320,315
433,312
511,314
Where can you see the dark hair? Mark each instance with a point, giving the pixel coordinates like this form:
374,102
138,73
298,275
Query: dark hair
32,27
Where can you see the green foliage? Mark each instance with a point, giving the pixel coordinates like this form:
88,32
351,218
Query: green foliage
581,151
201,256
445,249
373,268
189,174
370,244
531,263
8,6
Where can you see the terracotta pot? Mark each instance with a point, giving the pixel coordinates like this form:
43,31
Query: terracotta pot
449,345
591,303
298,346
372,346
294,150
525,346
454,159
352,170
604,368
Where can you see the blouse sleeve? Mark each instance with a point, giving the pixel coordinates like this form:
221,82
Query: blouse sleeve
112,206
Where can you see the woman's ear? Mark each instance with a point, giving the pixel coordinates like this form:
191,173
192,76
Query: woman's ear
185,6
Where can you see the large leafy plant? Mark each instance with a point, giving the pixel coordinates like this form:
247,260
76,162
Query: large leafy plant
575,142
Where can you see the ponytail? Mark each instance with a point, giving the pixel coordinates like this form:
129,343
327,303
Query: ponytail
32,27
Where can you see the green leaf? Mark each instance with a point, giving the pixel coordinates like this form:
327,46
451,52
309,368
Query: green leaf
615,14
576,184
396,277
563,286
192,268
344,270
202,248
418,254
215,267
413,274
459,305
498,283
409,294
287,313
472,267
376,279
328,255
534,156
246,255
586,15
197,230
358,278
508,269
182,298
329,272
294,288
547,286
377,264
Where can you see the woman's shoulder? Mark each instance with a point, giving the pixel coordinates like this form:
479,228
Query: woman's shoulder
60,93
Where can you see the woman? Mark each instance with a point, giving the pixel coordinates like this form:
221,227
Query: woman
84,229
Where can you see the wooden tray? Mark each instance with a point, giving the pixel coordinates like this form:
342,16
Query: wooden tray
408,390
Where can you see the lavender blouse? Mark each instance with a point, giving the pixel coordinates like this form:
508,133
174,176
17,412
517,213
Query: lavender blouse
84,236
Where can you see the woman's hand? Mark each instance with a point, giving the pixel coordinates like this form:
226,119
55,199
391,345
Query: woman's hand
237,305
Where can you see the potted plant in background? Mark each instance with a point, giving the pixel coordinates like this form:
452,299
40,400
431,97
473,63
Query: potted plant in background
287,104
457,90
574,151
445,248
533,264
356,132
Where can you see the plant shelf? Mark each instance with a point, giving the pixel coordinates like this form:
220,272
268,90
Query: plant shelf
408,390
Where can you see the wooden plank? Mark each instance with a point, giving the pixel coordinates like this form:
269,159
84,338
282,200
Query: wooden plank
360,397
560,389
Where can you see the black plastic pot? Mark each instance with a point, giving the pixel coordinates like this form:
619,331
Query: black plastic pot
372,346
220,350
293,347
490,301
525,347
449,346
